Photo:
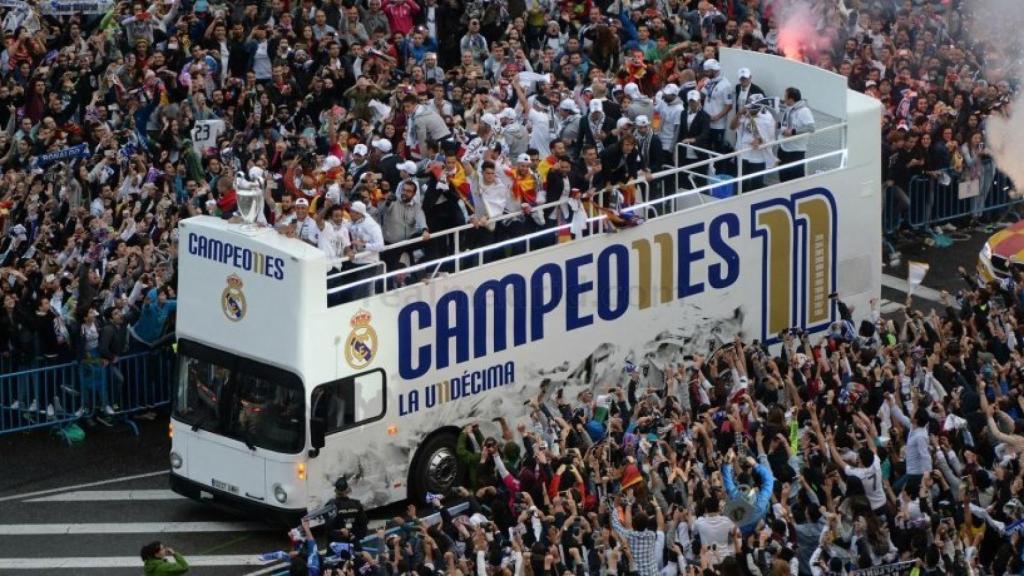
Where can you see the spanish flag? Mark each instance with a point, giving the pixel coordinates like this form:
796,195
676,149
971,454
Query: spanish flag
524,188
461,183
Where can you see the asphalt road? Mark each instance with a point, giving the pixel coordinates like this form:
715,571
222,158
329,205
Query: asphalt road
942,273
87,509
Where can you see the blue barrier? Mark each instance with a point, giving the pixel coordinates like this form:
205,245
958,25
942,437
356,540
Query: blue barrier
55,396
935,198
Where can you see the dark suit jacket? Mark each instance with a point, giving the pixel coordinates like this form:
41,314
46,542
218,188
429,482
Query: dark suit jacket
586,138
654,157
700,129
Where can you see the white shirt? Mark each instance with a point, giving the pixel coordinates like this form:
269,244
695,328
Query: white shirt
307,231
261,61
871,478
444,110
715,529
225,57
745,135
432,21
369,233
718,95
539,124
335,239
669,114
800,119
495,197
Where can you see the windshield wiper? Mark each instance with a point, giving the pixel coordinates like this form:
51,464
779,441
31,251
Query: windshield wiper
247,438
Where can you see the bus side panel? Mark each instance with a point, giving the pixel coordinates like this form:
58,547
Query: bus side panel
588,314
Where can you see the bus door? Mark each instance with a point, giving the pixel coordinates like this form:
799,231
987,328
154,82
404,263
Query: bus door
342,434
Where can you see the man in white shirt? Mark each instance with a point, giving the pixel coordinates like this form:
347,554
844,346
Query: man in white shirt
367,237
334,235
669,107
367,243
755,126
718,101
797,118
715,530
539,123
305,226
869,473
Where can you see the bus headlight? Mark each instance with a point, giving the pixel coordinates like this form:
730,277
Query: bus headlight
176,460
986,252
280,494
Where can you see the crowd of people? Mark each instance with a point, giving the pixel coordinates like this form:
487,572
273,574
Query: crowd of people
370,123
887,444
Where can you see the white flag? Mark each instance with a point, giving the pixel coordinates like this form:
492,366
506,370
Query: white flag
915,275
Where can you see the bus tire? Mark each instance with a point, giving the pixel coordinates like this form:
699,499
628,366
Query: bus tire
437,467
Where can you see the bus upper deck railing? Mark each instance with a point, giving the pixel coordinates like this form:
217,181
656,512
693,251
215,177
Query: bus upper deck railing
647,207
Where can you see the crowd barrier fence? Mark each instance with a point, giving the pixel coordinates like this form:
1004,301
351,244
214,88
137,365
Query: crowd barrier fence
59,395
944,196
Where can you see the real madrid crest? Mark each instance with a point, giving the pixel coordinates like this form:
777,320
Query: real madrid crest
361,342
232,299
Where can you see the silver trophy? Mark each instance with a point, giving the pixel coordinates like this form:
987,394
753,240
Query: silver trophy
249,192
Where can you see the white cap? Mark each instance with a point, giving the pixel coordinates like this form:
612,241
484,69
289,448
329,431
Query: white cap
255,173
330,163
642,120
358,207
693,95
712,64
383,145
745,73
409,167
490,119
632,90
302,202
595,106
670,89
360,149
523,159
623,122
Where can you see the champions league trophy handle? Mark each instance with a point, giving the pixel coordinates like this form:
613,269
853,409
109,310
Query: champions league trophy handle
249,193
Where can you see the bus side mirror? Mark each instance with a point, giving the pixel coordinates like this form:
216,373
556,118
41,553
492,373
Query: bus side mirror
317,430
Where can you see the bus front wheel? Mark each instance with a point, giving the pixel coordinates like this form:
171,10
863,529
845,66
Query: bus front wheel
437,467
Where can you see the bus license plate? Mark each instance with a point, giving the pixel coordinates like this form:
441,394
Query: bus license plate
224,486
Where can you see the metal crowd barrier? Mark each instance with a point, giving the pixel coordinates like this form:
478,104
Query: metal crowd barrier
56,396
373,545
936,198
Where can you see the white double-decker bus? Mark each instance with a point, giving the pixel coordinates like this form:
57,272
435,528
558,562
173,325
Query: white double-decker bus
284,385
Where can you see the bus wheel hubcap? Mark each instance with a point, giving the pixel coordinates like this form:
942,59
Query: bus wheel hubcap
441,469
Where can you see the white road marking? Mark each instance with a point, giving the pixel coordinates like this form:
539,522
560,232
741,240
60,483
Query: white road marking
79,486
888,306
110,496
923,292
84,562
131,528
277,567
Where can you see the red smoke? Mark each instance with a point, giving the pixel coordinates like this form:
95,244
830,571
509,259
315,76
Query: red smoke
799,37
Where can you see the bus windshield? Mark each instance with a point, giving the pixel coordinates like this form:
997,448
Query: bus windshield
256,404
